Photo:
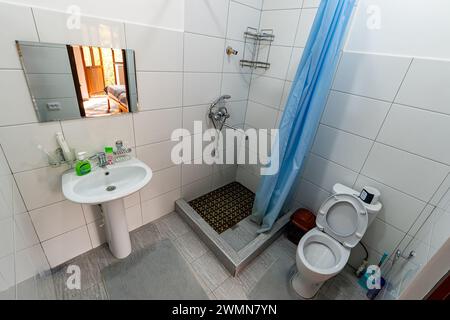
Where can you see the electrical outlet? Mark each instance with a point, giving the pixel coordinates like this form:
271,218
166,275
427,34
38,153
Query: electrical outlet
53,106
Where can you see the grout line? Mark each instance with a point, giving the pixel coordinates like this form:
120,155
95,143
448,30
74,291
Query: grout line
35,24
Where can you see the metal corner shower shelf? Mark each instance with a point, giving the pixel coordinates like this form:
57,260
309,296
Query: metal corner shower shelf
257,39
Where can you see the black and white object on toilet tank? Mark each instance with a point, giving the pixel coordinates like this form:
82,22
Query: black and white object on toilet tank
369,195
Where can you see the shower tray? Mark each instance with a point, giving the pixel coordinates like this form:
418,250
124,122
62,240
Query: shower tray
227,210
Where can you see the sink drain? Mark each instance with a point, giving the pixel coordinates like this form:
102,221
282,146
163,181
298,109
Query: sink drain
110,188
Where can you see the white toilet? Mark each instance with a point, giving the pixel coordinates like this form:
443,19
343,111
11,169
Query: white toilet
323,252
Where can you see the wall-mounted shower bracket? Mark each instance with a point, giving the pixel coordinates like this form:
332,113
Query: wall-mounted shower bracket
258,42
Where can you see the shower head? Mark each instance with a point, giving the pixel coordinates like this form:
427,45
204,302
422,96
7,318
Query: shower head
220,99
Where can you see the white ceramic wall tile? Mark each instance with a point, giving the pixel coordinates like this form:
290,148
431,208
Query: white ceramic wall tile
196,189
311,3
237,85
155,49
239,18
283,22
97,234
162,182
14,89
159,90
132,200
441,231
40,187
92,135
155,126
160,206
18,24
134,217
206,17
16,139
57,219
267,91
257,4
259,116
441,197
193,172
355,114
425,85
370,75
200,88
343,148
247,179
223,177
310,195
418,131
30,262
279,61
284,4
6,237
203,53
294,62
67,246
25,236
157,155
52,27
304,27
404,171
237,110
326,174
382,237
195,113
285,95
91,212
399,209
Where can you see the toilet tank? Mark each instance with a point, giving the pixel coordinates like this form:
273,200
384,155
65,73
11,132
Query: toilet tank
372,209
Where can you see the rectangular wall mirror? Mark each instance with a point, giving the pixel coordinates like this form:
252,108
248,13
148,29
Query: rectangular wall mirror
75,81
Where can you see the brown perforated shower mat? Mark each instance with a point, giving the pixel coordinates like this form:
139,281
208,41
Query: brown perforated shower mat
224,207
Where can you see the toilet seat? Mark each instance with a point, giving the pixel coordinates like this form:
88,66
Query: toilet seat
344,218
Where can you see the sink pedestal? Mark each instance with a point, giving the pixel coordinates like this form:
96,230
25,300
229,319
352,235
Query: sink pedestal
116,228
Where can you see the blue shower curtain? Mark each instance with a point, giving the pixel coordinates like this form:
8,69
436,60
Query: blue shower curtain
304,107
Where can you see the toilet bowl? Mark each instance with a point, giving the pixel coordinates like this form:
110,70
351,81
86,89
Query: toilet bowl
324,251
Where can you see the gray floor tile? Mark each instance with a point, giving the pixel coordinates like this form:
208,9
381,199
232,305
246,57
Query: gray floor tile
231,289
190,246
172,226
210,270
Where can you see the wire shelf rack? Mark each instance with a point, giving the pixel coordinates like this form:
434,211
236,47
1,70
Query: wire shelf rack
257,48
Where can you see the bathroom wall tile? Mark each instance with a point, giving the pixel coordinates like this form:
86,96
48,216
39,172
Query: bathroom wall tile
203,53
370,75
57,219
311,3
67,246
399,209
231,64
285,95
441,198
286,4
200,88
279,61
132,200
223,177
40,187
237,110
10,199
16,139
326,174
165,47
97,234
193,172
421,224
237,85
92,135
6,237
410,129
310,195
30,262
52,27
259,116
425,85
267,91
155,126
407,172
19,23
343,148
304,27
157,155
196,189
382,237
134,217
240,17
7,276
159,90
16,98
196,113
162,182
257,4
355,114
294,62
159,206
440,232
206,17
247,179
91,212
283,22
24,233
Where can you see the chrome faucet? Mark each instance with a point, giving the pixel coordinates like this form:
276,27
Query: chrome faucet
101,159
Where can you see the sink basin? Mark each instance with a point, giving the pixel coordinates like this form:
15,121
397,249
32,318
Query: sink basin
106,184
107,187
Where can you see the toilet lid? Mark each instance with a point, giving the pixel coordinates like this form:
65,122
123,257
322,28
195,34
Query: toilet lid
343,217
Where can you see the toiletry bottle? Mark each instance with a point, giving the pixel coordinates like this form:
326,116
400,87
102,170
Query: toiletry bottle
83,165
109,155
64,147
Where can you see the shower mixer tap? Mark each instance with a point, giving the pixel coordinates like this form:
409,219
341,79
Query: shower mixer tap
219,114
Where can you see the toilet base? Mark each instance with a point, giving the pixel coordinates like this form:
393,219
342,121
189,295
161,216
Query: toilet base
304,288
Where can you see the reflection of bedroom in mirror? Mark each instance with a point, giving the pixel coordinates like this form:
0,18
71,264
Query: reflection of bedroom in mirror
74,81
101,76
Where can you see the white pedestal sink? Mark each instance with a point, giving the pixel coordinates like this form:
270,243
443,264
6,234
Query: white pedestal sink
107,187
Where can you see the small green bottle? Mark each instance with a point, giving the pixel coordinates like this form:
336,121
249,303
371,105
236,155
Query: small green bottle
83,166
